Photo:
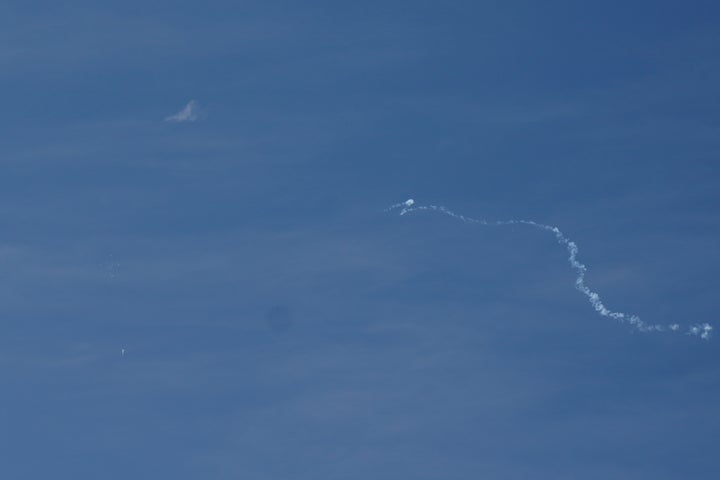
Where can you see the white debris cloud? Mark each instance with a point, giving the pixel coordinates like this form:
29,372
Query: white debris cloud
702,330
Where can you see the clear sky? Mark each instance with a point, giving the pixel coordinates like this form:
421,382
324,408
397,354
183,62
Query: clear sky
277,323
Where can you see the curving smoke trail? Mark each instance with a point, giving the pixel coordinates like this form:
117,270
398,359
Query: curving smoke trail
407,203
703,330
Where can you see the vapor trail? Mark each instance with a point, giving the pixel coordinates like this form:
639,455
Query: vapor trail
703,330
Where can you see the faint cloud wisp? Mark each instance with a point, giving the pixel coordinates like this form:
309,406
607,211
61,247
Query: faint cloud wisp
189,113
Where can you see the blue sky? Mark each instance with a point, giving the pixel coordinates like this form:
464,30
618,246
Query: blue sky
277,323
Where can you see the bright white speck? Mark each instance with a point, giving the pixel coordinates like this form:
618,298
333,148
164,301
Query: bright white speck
409,202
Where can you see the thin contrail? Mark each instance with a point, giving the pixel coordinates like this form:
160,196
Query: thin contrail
703,329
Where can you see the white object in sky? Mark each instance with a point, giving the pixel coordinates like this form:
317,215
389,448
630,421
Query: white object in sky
703,330
189,113
406,204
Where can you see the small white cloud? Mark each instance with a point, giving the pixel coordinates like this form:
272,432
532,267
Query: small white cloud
189,113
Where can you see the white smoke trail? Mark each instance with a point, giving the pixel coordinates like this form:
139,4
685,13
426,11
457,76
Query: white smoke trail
703,330
407,203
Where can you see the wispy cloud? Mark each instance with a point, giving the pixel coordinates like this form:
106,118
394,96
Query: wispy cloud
189,113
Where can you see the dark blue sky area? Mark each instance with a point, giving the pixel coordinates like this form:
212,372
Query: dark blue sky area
277,324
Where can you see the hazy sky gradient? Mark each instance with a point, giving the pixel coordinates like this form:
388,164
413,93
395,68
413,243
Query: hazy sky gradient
277,323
